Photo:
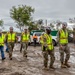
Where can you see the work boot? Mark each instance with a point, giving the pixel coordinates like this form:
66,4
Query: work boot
25,56
52,67
3,58
66,63
7,51
10,58
63,66
45,68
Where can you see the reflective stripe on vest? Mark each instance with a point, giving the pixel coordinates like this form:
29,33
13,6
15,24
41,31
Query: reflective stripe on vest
11,37
49,42
63,37
2,40
25,37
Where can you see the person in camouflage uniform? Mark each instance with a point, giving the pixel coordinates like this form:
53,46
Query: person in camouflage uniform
47,49
25,37
21,48
11,39
63,45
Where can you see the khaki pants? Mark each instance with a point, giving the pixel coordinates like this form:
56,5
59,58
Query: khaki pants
10,47
25,46
65,49
52,57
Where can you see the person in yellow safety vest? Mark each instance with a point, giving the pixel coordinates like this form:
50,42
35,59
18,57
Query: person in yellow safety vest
25,37
48,49
63,45
11,39
2,40
41,38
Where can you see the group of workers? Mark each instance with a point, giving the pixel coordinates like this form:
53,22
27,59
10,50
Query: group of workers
48,48
46,43
10,39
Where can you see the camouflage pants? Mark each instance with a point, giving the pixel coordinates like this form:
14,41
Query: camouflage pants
52,57
10,47
65,49
21,47
25,46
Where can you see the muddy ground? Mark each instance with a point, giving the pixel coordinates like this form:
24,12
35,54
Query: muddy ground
33,65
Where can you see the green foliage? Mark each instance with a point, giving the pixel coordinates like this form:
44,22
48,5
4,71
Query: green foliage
51,25
22,15
1,23
40,21
33,26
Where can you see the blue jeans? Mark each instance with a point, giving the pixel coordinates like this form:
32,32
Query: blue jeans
6,47
2,51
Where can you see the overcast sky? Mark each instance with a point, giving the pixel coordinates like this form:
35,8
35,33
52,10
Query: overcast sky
44,9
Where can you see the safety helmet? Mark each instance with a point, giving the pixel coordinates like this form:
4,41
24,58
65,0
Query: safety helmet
64,23
48,29
11,27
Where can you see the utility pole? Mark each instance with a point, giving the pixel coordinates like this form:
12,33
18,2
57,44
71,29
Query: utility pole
46,22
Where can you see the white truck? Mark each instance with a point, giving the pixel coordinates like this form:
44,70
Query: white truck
53,33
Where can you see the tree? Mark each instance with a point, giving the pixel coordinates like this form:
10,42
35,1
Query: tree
39,23
51,25
58,24
33,26
22,15
1,23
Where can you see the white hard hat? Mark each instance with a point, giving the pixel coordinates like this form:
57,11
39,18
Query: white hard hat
11,28
25,27
64,23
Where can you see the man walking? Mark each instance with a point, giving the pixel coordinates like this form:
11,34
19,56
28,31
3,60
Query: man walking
48,49
11,39
25,36
63,45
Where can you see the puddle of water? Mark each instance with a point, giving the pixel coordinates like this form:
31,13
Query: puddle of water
0,61
15,55
72,70
72,59
17,73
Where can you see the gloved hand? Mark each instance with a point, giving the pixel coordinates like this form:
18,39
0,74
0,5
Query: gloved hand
61,47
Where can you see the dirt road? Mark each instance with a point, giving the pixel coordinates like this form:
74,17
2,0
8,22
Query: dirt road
33,65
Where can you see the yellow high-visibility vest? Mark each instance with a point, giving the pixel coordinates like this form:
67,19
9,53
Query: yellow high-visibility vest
41,39
11,37
2,40
25,37
49,42
63,37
